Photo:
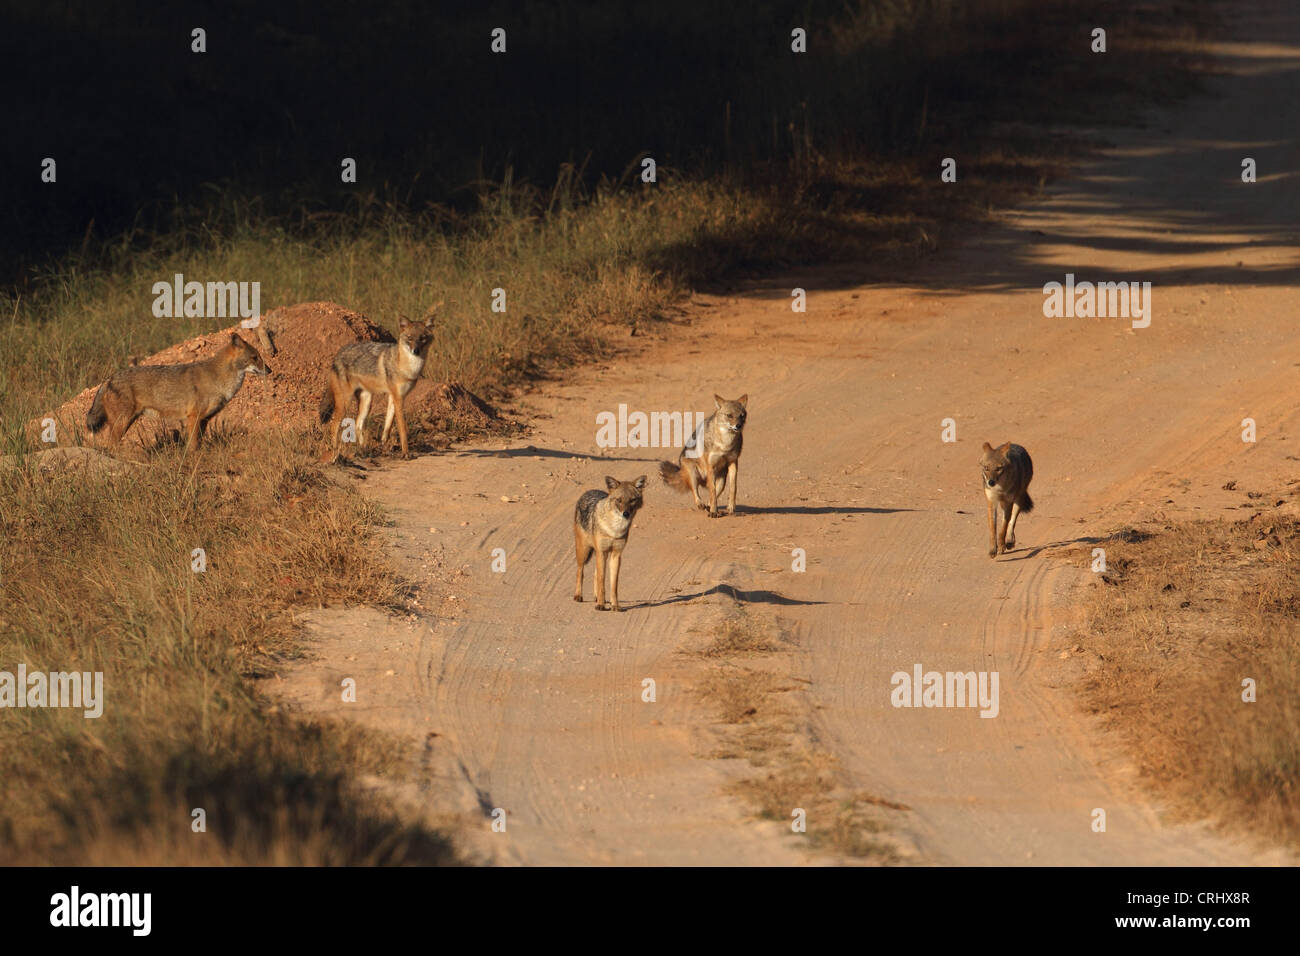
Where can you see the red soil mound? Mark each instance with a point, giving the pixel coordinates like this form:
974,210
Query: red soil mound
304,340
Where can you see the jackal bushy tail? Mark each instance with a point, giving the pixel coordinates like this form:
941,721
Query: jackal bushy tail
674,476
97,418
327,404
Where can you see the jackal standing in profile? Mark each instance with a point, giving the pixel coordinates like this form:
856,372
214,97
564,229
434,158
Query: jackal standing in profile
601,522
1007,471
196,391
713,457
363,369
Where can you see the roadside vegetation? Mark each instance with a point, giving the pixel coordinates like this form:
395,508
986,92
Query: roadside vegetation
746,671
1189,620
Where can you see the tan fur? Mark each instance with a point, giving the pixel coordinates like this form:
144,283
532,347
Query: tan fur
719,443
601,523
1005,473
365,369
195,392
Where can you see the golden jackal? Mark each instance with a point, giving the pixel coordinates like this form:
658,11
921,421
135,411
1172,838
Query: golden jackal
713,457
366,368
601,522
194,392
1007,472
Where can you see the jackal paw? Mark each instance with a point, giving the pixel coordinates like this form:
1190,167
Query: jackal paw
1011,545
993,552
715,514
602,607
578,598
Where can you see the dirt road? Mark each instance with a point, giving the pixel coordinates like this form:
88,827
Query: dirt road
532,703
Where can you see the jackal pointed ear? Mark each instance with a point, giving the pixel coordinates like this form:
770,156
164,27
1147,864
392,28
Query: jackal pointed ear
717,401
640,483
235,339
743,401
611,483
987,448
402,321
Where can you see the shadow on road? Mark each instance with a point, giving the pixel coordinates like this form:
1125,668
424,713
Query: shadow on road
743,597
532,451
817,510
1127,535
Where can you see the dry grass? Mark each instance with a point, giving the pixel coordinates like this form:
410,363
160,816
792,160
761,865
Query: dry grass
1178,622
846,823
97,576
738,634
764,720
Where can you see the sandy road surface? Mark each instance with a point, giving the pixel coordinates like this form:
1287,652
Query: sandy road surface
531,702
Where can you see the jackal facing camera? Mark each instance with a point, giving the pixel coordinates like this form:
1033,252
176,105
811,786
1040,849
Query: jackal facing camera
1006,472
713,459
364,369
601,522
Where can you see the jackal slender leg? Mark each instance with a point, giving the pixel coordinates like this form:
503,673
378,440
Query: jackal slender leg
601,557
363,409
1002,532
395,404
118,427
388,423
731,487
191,431
713,489
697,488
614,558
1011,526
336,418
583,553
993,528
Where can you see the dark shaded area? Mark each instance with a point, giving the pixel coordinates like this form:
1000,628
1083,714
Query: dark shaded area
153,139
